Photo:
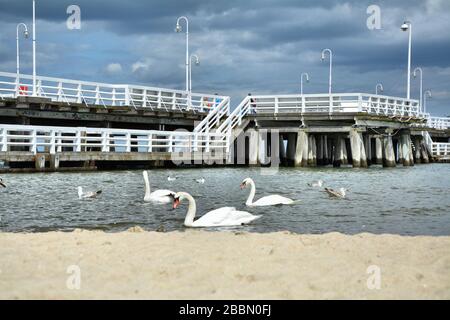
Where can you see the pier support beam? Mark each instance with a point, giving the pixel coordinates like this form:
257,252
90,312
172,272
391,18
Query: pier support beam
54,162
405,150
301,150
339,146
312,151
368,148
378,150
389,155
283,151
263,147
39,162
253,148
359,157
417,146
291,146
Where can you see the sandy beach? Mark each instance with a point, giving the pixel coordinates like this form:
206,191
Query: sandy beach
222,265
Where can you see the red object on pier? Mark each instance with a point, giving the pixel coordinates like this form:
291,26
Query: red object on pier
23,90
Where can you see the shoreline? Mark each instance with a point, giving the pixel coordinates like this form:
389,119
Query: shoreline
198,264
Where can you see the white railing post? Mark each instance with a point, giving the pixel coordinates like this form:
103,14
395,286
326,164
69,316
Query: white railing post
79,94
114,96
331,103
276,105
360,104
97,95
144,100
127,96
52,142
33,141
150,143
58,142
78,141
4,140
128,142
105,141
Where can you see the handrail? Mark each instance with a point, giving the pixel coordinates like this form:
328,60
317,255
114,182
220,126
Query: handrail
441,123
214,117
96,93
441,150
79,139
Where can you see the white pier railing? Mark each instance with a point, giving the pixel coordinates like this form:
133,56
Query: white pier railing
102,94
439,123
441,150
36,139
338,103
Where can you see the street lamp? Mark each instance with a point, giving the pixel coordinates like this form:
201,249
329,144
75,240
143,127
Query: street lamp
197,62
406,26
34,49
331,68
418,69
426,94
379,87
306,76
25,33
179,29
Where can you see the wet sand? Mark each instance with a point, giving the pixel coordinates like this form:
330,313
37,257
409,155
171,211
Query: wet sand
222,265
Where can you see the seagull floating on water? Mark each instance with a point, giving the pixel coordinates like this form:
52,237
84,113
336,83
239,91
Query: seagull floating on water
88,194
340,193
201,180
171,178
316,184
2,184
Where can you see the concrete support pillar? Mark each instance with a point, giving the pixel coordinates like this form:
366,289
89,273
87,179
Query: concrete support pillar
406,149
320,152
417,153
312,151
39,162
301,150
424,153
326,154
291,146
359,157
338,151
54,162
368,148
344,151
282,149
389,155
253,148
378,150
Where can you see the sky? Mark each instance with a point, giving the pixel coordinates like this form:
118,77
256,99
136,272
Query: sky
251,46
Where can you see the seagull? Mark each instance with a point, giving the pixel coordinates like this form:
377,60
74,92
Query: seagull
87,195
201,180
171,178
340,193
316,184
2,184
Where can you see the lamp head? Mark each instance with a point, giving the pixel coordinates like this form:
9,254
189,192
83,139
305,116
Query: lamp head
405,26
428,93
178,28
26,34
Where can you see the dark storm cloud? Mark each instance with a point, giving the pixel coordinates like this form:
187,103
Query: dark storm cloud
240,42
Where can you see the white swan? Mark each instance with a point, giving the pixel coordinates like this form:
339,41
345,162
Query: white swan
340,193
2,184
87,194
271,200
226,216
158,196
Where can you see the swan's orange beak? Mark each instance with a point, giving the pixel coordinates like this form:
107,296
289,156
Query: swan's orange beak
176,203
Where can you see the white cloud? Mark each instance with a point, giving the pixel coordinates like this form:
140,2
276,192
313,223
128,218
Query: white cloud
114,68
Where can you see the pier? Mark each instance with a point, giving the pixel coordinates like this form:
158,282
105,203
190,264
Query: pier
77,125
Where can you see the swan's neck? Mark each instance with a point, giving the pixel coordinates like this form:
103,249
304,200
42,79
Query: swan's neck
147,185
80,192
192,209
251,196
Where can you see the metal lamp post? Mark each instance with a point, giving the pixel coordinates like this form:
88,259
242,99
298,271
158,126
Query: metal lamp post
416,70
179,29
306,76
197,62
34,50
426,94
379,87
25,33
407,26
330,81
